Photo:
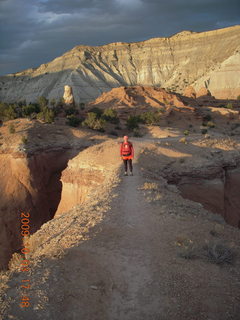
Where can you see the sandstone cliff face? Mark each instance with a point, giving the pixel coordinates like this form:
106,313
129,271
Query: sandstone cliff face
210,176
30,177
86,173
224,80
209,59
28,184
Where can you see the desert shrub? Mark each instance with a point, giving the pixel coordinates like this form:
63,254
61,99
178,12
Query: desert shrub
71,111
150,117
229,106
57,109
132,122
22,103
9,112
110,115
46,115
97,111
60,103
24,139
11,128
53,102
73,121
117,128
136,133
207,117
218,253
42,101
93,122
204,131
187,250
183,140
210,124
27,110
186,132
114,133
238,97
2,110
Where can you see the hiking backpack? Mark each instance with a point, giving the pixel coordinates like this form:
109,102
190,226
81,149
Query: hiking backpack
126,148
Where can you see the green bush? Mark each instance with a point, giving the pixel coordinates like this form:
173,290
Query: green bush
47,115
73,121
71,111
207,117
114,133
42,101
60,103
8,111
57,109
97,111
22,103
238,97
93,122
11,128
150,117
132,122
229,106
204,131
53,102
210,124
27,110
110,115
186,132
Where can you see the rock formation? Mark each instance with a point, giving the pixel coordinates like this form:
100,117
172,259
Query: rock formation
68,95
30,179
190,92
137,96
208,59
203,92
212,181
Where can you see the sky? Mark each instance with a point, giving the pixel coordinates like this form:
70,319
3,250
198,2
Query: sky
33,32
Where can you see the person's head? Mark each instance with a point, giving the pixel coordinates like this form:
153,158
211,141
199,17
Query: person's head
125,138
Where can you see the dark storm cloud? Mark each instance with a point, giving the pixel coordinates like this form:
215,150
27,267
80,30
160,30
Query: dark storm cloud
36,31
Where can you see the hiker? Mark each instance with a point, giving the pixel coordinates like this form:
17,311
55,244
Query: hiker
127,154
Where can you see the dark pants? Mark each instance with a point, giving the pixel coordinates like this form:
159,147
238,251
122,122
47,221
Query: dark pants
128,162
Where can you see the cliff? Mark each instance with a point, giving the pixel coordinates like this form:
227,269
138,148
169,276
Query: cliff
209,59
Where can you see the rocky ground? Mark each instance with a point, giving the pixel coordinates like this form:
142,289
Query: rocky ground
133,247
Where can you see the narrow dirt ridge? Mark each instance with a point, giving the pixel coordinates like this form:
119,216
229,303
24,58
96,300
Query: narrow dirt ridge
132,255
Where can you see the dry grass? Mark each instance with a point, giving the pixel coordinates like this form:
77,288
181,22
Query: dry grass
218,252
187,249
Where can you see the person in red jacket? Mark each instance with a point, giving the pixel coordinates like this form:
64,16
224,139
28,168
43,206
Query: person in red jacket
127,154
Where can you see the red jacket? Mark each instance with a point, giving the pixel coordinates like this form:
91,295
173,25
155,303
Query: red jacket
123,151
